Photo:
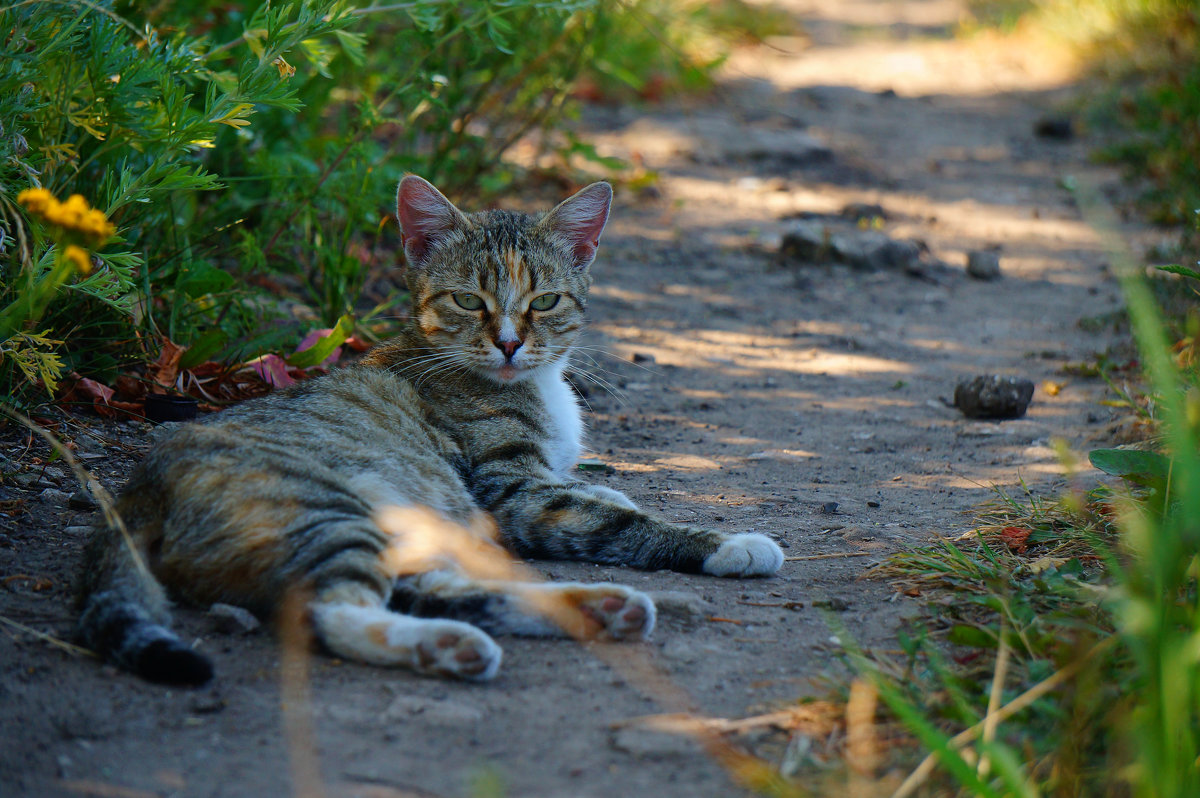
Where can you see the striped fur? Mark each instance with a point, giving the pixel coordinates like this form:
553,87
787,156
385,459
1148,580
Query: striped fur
465,413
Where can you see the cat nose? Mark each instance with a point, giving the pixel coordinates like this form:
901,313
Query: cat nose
509,348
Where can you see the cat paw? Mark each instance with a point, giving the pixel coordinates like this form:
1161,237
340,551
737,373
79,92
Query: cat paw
745,555
457,649
623,613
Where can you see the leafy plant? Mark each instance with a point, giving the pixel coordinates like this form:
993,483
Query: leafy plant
248,155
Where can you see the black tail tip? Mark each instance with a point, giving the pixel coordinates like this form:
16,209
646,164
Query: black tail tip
171,662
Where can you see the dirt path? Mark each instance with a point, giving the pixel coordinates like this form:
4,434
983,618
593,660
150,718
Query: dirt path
764,391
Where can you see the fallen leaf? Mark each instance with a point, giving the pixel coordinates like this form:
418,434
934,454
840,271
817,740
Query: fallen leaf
1016,538
273,370
1046,563
164,371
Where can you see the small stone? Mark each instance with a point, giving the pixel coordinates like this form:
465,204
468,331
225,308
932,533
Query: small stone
807,241
834,603
993,396
880,252
679,603
872,503
642,357
983,264
228,619
31,480
829,508
863,211
1059,128
55,496
81,500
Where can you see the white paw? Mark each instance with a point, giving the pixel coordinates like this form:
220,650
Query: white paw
450,648
622,612
745,555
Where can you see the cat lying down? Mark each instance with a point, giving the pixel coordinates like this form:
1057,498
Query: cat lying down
312,491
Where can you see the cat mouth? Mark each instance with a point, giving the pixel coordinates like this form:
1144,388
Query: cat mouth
507,372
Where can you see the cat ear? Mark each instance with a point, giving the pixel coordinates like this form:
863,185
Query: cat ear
580,220
425,217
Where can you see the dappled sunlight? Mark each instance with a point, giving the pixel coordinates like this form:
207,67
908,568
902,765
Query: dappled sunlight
688,462
731,351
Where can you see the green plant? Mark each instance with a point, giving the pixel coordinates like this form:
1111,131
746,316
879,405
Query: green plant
248,156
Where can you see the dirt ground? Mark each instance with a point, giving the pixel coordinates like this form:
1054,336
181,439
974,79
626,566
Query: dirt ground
765,390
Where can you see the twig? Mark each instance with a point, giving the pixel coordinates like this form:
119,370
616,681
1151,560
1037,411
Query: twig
990,721
787,605
836,556
719,619
87,481
70,648
817,717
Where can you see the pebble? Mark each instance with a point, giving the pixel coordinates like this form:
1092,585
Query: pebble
836,604
860,211
81,500
983,264
679,603
829,508
228,619
814,242
55,496
1059,128
993,396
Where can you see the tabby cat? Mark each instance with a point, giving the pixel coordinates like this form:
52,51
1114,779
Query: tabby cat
466,412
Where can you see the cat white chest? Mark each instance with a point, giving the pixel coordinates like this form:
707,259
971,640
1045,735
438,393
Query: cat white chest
566,423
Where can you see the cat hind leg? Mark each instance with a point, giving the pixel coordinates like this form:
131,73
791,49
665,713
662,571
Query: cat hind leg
529,609
362,630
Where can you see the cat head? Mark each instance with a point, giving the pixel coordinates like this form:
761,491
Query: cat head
499,293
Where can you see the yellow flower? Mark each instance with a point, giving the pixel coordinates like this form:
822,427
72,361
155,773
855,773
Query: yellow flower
79,256
73,216
36,200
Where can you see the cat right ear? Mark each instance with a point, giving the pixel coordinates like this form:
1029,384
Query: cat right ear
425,217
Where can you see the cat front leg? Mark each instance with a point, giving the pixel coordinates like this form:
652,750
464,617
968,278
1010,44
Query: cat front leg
747,554
546,519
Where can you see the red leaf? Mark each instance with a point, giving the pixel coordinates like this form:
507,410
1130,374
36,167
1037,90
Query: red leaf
357,344
1016,537
273,370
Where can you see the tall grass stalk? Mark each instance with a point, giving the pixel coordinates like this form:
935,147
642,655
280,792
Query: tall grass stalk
1156,609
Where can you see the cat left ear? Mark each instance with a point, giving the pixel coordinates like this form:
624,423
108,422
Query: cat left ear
580,219
425,217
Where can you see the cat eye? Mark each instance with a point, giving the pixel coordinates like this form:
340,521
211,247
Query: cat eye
468,301
544,302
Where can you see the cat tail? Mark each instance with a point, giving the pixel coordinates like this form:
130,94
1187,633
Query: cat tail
124,613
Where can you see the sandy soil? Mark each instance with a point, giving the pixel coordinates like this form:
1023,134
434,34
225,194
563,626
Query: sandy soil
764,391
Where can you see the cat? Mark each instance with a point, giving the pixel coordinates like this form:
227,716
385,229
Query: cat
465,413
